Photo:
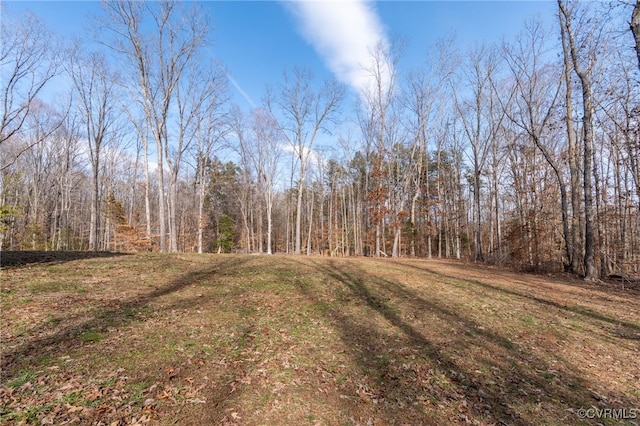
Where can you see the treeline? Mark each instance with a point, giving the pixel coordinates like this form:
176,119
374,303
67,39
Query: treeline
524,153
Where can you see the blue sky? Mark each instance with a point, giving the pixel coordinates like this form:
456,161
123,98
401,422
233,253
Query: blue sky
258,40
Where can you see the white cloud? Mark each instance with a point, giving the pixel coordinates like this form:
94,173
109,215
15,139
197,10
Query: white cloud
312,157
343,33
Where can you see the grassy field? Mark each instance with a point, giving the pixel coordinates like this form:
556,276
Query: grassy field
256,340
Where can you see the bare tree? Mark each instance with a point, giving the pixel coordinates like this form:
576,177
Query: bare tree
211,126
29,60
537,87
478,121
304,113
200,89
635,27
48,165
426,106
266,152
573,154
95,85
242,134
618,130
584,54
157,60
377,101
142,143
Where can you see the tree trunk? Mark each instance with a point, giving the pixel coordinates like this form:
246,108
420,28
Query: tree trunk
162,208
201,197
269,223
476,206
395,251
147,196
173,207
310,225
414,202
601,252
94,222
260,228
576,222
590,270
298,235
564,202
635,28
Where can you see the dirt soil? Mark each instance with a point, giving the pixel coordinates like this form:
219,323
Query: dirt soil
163,339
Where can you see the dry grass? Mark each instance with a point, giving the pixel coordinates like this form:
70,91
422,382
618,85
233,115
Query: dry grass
256,340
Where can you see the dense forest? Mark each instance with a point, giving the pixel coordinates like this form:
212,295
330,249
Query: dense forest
524,153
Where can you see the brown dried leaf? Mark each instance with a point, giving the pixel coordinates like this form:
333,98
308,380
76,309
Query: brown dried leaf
73,409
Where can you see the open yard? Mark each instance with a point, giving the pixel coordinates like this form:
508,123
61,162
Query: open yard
256,340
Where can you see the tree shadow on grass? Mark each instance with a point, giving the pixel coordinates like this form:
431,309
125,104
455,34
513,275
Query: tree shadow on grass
631,328
15,259
43,344
520,382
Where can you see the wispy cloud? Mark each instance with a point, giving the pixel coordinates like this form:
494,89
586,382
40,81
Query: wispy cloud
343,33
313,157
240,90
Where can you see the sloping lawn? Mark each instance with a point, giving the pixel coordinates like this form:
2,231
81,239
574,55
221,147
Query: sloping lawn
257,340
